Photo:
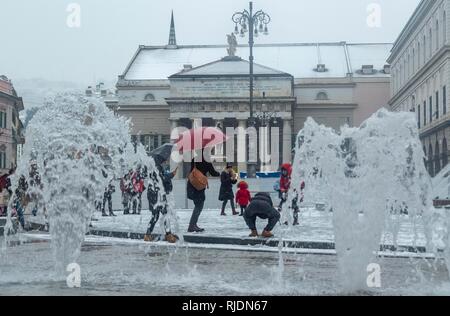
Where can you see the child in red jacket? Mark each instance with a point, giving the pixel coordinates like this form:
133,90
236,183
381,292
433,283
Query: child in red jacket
243,196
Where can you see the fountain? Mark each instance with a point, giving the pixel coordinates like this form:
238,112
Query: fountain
361,171
77,146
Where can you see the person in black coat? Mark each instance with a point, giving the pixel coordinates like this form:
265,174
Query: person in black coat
160,206
227,180
198,196
261,206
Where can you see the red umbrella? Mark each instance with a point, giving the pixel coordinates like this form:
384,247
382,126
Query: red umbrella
200,138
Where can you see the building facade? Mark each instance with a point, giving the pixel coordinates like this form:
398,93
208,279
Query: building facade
182,85
420,66
11,128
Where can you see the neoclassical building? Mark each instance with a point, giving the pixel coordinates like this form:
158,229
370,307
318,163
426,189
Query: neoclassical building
420,66
184,85
11,128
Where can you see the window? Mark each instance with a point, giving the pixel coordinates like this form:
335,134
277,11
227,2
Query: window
431,43
322,96
2,119
424,113
438,34
444,153
430,161
437,159
424,49
149,97
444,100
431,109
437,105
418,55
2,159
418,116
444,28
413,60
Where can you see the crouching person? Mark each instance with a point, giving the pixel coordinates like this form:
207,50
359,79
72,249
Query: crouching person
261,206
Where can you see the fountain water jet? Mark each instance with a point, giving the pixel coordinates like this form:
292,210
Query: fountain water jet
78,146
360,171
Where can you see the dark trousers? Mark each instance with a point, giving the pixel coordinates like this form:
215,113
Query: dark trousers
224,204
198,208
137,203
242,209
273,218
126,202
156,211
107,198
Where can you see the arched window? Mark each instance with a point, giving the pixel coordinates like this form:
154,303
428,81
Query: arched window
437,159
149,97
430,161
444,153
322,96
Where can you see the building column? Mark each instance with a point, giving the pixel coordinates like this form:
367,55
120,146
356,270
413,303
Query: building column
287,140
219,148
197,122
242,145
173,165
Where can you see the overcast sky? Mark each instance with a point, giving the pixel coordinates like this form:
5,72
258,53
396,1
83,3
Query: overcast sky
36,41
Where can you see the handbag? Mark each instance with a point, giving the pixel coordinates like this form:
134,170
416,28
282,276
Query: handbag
198,180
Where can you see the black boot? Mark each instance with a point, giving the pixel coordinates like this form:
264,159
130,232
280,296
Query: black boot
111,213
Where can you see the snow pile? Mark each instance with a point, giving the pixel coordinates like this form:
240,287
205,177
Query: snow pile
364,173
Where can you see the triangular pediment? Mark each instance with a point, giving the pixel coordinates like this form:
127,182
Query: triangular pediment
229,66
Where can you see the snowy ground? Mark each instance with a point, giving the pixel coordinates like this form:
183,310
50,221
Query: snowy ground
314,226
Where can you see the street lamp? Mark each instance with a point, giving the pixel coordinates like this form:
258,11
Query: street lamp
253,24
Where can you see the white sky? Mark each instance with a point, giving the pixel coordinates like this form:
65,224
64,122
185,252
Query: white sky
37,43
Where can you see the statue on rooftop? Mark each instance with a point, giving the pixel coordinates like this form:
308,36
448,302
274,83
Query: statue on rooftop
232,45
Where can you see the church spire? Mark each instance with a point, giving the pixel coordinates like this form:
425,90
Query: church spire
172,35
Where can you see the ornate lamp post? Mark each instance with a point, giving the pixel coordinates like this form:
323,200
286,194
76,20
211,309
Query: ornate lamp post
254,24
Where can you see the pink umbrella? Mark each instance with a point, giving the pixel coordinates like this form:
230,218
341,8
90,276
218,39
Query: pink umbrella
200,138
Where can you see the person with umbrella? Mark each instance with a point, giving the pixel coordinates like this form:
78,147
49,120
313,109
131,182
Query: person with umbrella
157,196
198,140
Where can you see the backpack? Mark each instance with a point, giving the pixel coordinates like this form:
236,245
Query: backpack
198,180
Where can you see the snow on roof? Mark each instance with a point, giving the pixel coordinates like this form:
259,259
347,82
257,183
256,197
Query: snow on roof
234,66
299,60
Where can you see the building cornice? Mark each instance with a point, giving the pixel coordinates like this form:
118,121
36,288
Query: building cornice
441,54
229,100
432,129
328,106
421,11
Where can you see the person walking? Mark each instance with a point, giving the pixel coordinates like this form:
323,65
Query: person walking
138,189
126,187
158,203
261,206
107,198
285,183
227,180
196,186
243,196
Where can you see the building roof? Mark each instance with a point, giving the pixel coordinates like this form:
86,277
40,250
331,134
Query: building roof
299,60
229,66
